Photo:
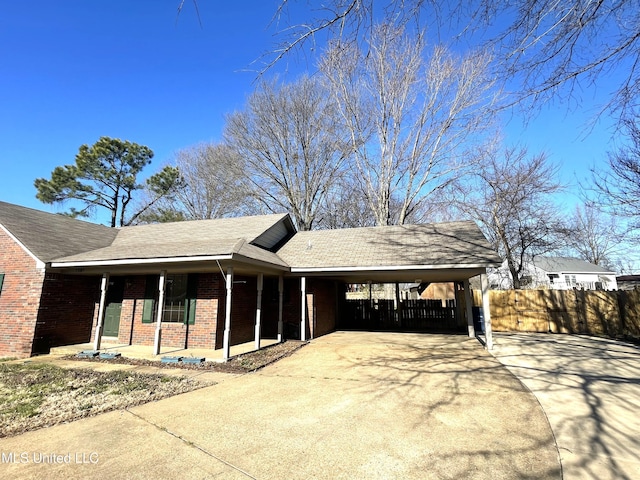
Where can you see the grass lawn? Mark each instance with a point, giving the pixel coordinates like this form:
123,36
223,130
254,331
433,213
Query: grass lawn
35,395
39,395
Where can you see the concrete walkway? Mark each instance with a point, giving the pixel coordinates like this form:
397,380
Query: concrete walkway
590,390
349,405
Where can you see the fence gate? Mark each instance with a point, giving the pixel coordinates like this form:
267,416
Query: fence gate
408,316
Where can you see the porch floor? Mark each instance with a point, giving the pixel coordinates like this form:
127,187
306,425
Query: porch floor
146,351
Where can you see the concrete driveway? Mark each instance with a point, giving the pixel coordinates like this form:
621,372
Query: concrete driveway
351,405
590,390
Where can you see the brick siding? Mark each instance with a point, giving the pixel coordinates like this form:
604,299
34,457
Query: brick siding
19,299
67,308
39,310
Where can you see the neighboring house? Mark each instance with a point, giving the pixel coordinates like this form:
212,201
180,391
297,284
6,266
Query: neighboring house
207,283
628,282
557,273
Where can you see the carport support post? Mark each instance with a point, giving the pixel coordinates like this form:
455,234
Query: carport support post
468,302
162,282
259,310
488,334
303,312
104,285
280,308
226,339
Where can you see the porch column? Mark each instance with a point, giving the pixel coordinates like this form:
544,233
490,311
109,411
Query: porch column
258,327
468,301
104,285
303,313
488,334
161,287
226,346
280,308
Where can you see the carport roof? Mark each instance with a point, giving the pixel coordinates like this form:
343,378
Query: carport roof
429,246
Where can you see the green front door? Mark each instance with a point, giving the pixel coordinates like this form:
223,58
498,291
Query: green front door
112,320
113,308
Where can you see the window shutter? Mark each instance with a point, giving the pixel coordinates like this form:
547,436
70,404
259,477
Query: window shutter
151,288
192,294
1,280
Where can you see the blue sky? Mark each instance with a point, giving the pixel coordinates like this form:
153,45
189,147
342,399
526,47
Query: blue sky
73,71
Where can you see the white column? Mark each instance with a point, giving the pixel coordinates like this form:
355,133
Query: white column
280,308
468,301
104,285
226,345
258,326
162,282
303,312
488,334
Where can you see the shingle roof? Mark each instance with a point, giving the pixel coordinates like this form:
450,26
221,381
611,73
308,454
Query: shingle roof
62,240
567,265
197,247
223,236
442,244
48,236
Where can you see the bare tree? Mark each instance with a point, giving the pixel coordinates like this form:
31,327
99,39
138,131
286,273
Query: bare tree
593,236
292,146
408,116
542,45
345,205
618,188
215,182
213,185
510,196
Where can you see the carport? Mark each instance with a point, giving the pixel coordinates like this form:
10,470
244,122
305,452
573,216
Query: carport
431,253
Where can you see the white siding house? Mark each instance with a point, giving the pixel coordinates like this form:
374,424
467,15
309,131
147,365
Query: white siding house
558,273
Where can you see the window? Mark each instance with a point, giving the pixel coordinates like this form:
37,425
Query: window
175,298
570,280
179,299
1,281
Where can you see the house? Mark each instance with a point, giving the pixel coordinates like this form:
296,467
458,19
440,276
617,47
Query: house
628,282
208,283
557,273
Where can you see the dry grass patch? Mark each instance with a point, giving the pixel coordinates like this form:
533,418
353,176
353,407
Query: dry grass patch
35,395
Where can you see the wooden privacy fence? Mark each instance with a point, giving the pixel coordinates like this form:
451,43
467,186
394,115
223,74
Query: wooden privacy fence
614,313
412,315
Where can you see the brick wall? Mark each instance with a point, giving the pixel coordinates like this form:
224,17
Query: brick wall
321,306
321,296
19,299
67,308
202,334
